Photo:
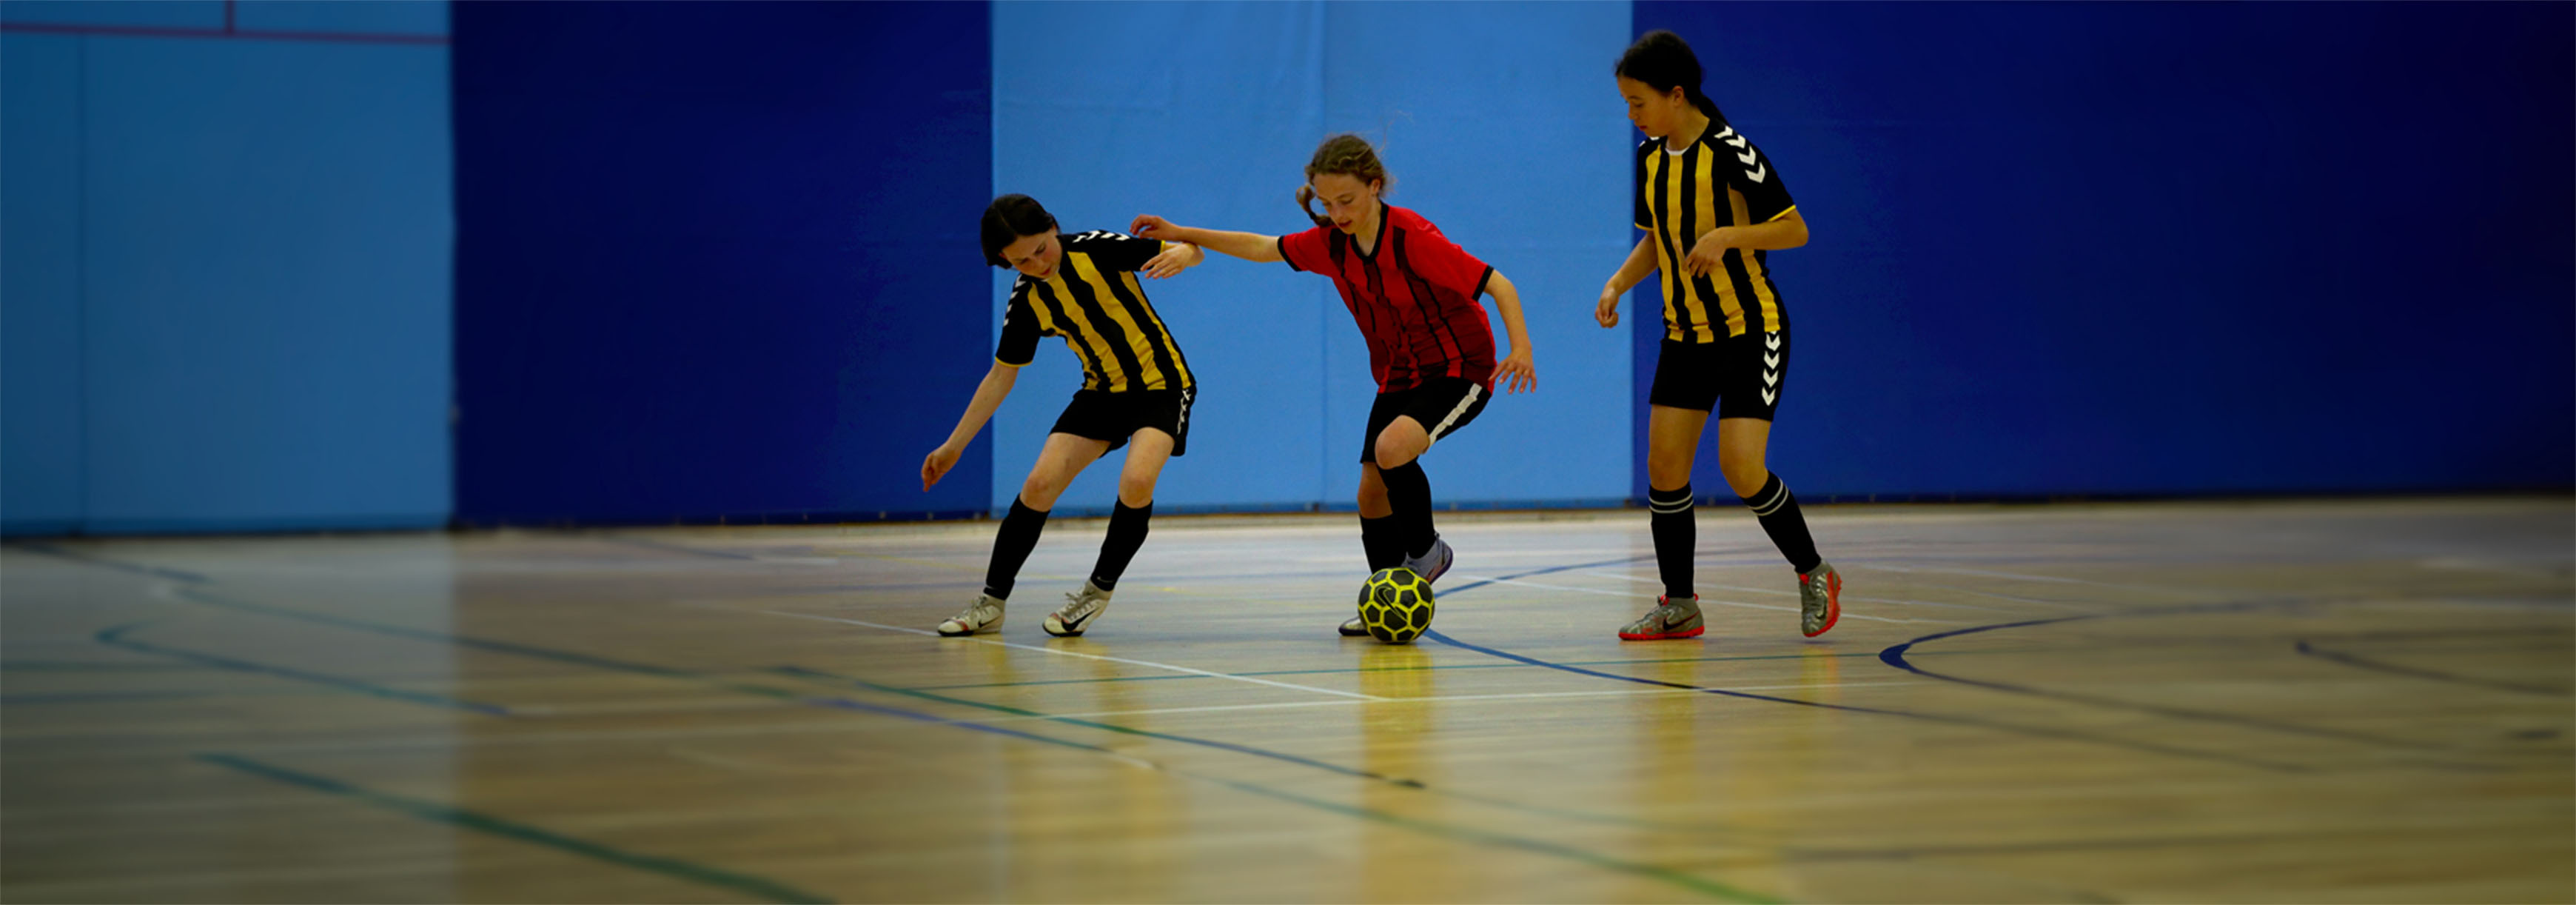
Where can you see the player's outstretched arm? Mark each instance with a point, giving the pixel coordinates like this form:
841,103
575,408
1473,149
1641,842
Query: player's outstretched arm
1175,257
988,396
1641,261
1515,371
1248,246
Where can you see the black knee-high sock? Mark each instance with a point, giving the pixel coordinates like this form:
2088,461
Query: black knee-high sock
1377,537
1011,547
1126,533
1778,510
1409,491
1676,538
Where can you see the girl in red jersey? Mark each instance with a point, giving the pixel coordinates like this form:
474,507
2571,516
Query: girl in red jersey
1413,293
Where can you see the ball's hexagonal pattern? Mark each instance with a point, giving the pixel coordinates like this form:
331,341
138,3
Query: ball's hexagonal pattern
1395,605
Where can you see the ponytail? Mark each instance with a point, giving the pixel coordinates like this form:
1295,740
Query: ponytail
1663,61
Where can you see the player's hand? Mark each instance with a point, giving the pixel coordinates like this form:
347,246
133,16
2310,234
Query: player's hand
1149,226
936,464
1608,311
1173,260
1708,255
1516,373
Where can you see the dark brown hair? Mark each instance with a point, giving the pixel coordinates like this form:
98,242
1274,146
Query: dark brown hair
1348,155
1662,60
1007,219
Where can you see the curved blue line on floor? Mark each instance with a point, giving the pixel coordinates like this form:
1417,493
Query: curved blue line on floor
2033,731
1895,656
2356,662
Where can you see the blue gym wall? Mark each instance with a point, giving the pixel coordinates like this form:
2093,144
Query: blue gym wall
1501,131
2163,248
275,265
224,291
719,260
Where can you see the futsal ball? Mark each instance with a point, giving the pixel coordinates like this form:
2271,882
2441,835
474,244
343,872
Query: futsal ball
1395,605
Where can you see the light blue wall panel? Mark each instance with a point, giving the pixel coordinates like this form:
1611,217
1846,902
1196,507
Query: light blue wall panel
40,372
1501,123
1203,113
386,17
116,13
268,235
1504,131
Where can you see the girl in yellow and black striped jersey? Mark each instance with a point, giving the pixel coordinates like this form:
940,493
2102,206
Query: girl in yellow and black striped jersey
1136,388
1713,207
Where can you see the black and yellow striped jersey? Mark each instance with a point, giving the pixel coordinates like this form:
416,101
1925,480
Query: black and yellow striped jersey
1720,180
1093,301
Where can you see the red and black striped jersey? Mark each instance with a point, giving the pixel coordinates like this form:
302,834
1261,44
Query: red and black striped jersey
1413,295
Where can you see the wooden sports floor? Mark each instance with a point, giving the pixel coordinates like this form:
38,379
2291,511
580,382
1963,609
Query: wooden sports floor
2315,701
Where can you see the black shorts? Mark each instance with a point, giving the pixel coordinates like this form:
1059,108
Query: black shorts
1748,372
1442,404
1103,415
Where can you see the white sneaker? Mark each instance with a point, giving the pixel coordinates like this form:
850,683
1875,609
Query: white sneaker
984,615
1080,607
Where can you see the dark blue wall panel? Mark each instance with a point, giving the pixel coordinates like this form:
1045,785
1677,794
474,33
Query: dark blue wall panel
718,261
2163,249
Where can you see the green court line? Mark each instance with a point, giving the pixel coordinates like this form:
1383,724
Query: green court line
766,890
1668,875
821,677
116,637
82,666
1435,828
1443,667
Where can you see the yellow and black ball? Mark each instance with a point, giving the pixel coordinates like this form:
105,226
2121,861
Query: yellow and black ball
1395,605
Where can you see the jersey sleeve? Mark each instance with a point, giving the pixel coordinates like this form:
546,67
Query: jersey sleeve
1446,265
1749,171
1019,330
1308,251
1118,251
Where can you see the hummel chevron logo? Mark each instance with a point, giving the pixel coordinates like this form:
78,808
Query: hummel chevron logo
1771,340
1757,173
1747,157
1770,396
1771,377
1771,360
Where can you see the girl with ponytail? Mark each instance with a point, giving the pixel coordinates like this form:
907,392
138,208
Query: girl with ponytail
1413,293
1713,208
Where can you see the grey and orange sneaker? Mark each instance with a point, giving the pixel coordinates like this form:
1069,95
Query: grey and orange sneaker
984,615
1820,599
1667,620
1080,607
1434,562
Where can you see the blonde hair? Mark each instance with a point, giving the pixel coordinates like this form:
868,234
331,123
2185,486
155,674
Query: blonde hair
1346,154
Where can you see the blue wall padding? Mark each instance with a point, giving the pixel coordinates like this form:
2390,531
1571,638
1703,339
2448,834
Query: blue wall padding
719,259
40,300
237,318
1500,126
2159,249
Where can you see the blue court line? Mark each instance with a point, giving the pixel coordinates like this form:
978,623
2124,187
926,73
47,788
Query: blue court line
152,571
1428,827
106,697
1667,875
86,666
756,887
1895,656
116,637
2362,663
675,548
2034,731
1405,782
